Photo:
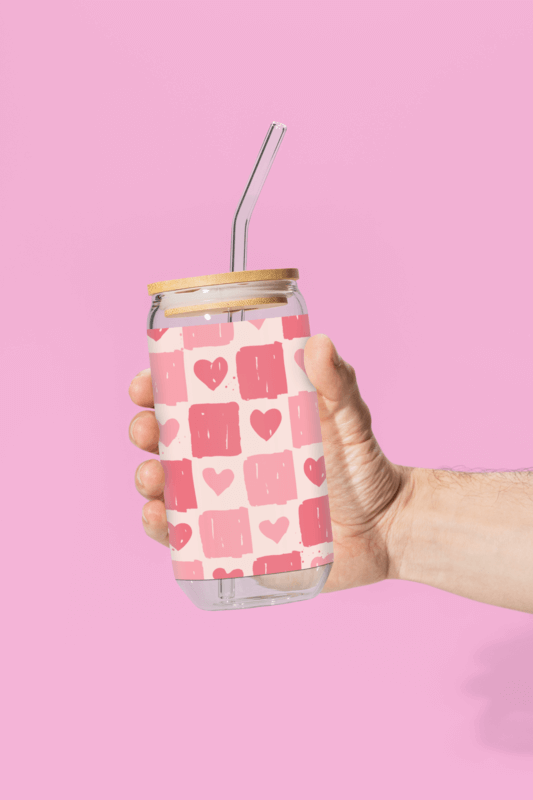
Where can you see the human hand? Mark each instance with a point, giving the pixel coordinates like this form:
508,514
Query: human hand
367,493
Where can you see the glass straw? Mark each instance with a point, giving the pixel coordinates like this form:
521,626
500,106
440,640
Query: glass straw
239,242
239,231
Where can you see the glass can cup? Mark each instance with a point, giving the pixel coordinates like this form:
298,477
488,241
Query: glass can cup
212,300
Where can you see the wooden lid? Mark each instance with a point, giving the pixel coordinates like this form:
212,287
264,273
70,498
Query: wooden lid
220,278
249,304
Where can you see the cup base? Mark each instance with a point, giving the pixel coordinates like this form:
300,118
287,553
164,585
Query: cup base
232,594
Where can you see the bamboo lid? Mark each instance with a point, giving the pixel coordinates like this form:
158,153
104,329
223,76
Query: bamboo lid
221,278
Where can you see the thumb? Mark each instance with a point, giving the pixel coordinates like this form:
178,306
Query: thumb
335,382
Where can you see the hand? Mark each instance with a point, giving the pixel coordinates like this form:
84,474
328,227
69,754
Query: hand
367,493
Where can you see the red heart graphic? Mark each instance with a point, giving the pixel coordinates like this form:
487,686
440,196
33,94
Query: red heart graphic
168,431
179,534
318,562
157,333
299,358
218,482
257,323
315,470
211,373
265,425
221,574
274,530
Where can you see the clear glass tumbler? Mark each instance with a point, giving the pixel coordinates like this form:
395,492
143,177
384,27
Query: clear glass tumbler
233,297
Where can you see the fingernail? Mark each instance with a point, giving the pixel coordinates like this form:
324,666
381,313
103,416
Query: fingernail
132,430
337,360
142,372
144,518
138,475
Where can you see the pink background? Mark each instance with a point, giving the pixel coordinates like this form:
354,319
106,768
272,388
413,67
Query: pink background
403,193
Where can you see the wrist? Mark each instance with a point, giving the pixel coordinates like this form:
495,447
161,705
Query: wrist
431,536
467,533
400,525
416,549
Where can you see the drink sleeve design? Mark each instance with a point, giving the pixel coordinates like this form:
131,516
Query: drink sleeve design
240,444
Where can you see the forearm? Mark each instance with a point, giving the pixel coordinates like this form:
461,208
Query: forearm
470,534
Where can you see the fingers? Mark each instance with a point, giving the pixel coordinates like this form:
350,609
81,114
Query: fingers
155,521
141,391
144,431
150,477
335,382
150,480
332,377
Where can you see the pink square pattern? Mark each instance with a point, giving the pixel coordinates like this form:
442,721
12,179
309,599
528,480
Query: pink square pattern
240,444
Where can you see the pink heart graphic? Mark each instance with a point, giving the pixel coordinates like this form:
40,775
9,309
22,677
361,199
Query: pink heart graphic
220,573
265,424
274,530
218,483
179,534
315,470
156,333
257,323
299,358
212,373
318,562
168,431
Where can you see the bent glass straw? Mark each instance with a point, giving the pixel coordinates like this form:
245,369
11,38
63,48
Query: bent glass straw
239,241
239,231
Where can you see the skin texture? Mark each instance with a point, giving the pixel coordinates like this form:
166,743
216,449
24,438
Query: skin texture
468,533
